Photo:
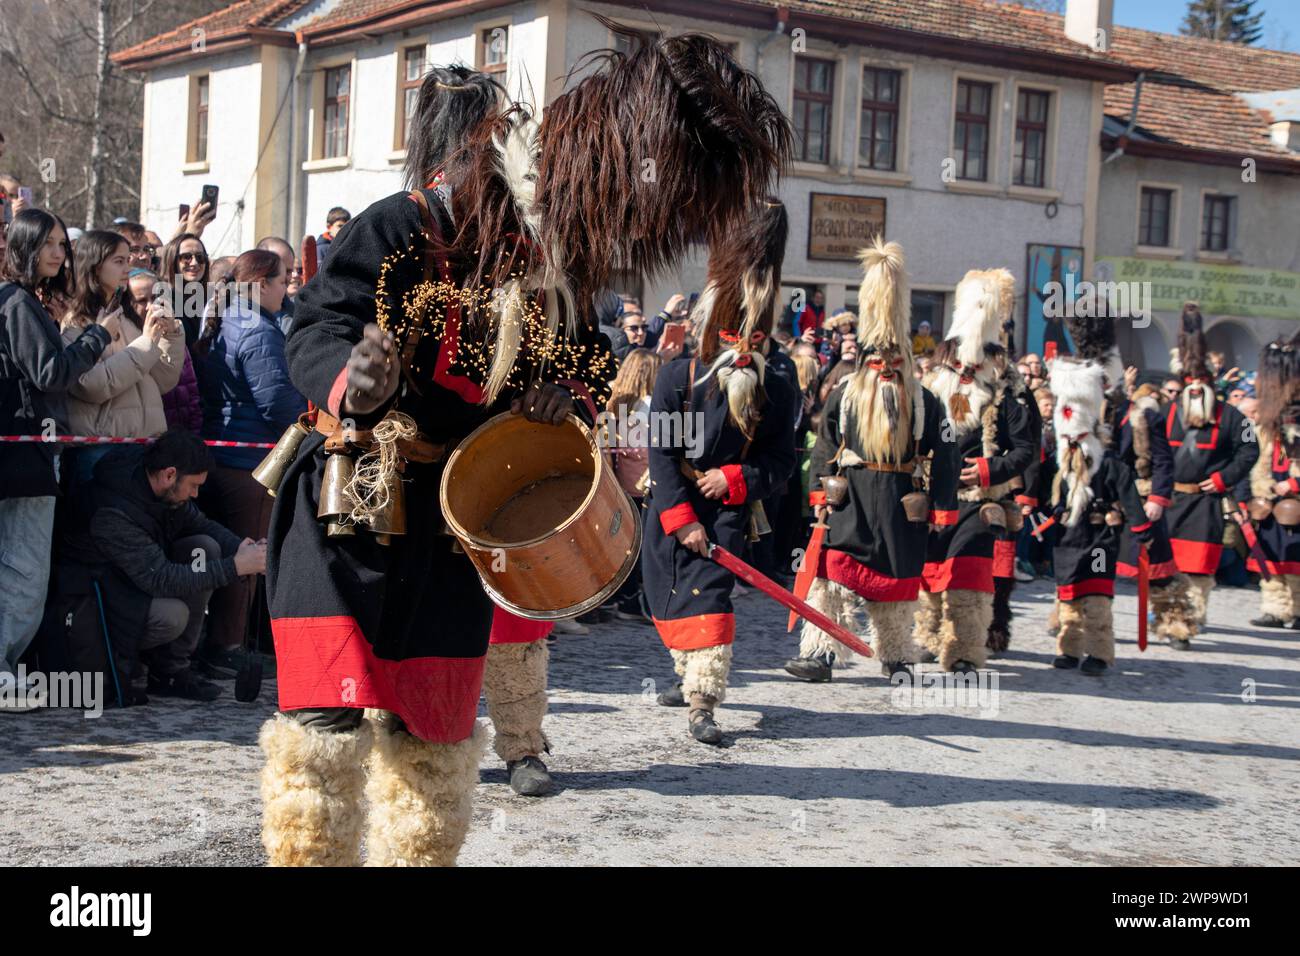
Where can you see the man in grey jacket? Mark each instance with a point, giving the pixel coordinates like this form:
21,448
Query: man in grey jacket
164,557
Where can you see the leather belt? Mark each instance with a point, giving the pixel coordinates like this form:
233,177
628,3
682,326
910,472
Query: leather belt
909,467
419,449
1187,488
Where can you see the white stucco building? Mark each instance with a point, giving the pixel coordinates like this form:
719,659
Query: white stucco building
970,131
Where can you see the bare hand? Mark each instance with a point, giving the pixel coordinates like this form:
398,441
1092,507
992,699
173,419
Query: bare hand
676,306
545,403
712,484
821,512
809,335
1207,485
668,352
158,321
251,557
970,475
199,218
1130,379
111,321
693,538
1153,510
373,372
1282,488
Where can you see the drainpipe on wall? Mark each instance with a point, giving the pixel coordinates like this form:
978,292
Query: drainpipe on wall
782,17
295,166
1132,122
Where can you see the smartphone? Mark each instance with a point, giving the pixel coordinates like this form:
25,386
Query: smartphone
210,197
1049,351
674,334
26,195
185,211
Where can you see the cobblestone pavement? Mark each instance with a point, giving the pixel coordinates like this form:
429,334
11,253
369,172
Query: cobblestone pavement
1172,758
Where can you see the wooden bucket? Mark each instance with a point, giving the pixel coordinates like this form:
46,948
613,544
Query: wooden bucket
541,514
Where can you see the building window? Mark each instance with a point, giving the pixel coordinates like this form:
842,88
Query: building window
493,49
198,123
814,84
1155,217
1216,224
971,136
878,135
408,89
338,84
1031,137
633,40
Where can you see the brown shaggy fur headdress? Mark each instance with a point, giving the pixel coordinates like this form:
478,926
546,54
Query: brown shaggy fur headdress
1277,384
1193,352
672,144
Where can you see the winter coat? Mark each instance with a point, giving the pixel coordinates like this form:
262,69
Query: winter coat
121,396
181,405
36,369
245,387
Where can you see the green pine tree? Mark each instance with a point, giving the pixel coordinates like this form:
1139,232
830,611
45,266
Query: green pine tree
1233,21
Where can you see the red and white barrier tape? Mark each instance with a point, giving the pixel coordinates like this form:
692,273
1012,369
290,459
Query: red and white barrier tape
93,440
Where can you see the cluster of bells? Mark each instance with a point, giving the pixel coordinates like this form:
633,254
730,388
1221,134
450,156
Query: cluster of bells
336,504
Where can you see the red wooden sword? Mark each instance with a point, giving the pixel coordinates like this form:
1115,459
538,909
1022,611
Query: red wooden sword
1144,591
756,579
808,570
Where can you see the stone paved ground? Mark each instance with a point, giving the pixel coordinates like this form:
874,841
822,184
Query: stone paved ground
1160,762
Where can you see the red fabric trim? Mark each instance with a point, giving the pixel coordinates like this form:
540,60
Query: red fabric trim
693,633
736,490
1219,484
940,517
1141,527
983,465
962,573
1086,587
1295,485
334,402
1004,559
1275,567
1160,500
510,628
863,581
816,498
677,517
1165,569
1204,446
1196,557
442,375
1026,500
327,662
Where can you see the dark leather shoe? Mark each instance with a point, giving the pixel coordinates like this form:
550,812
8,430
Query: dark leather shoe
1065,662
1268,620
812,669
529,777
964,667
672,697
186,685
892,668
704,728
1093,666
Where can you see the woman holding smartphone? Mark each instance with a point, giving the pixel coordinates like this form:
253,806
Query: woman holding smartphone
121,396
36,370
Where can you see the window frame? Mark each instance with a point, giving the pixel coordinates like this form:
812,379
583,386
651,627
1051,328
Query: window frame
990,126
401,132
1044,127
829,136
897,108
482,36
199,116
1172,226
1213,196
346,101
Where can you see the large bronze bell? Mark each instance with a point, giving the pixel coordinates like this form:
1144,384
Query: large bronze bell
271,471
391,519
335,504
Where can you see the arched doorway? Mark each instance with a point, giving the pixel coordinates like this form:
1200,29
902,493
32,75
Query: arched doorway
1236,341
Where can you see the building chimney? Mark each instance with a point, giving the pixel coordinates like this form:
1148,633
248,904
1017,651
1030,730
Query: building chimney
1090,22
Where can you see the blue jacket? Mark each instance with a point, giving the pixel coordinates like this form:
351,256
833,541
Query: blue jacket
245,387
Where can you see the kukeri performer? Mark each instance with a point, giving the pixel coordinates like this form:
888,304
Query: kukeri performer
1214,448
877,429
1094,494
995,443
739,416
1004,548
403,345
1272,490
461,327
1138,439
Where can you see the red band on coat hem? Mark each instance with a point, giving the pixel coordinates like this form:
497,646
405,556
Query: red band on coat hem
693,633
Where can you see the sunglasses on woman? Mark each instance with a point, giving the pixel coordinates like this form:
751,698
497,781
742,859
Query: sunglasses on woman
186,258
